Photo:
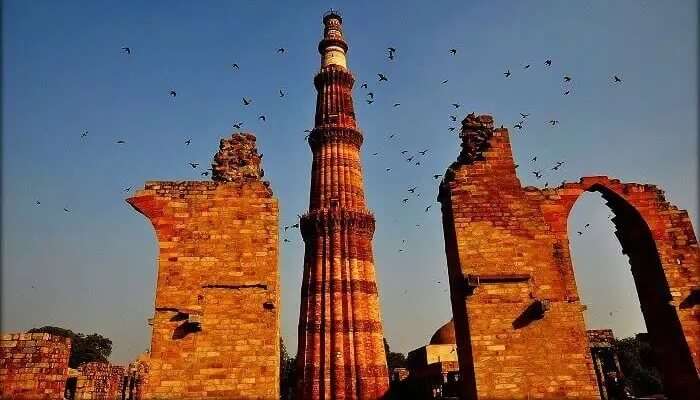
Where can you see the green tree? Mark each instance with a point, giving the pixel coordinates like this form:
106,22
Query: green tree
288,374
84,348
394,360
636,357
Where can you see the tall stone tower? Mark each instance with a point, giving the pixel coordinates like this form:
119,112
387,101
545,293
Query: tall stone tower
341,350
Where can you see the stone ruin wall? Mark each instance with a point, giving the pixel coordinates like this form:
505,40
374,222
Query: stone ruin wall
518,318
33,366
99,381
216,323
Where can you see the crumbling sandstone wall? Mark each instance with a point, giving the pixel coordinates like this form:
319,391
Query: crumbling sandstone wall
33,366
99,381
518,318
216,322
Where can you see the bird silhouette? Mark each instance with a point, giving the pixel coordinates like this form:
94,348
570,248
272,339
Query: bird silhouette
451,129
404,151
370,95
246,102
516,166
38,203
127,189
546,185
84,134
65,209
538,174
126,50
413,189
392,136
404,201
409,159
617,79
526,66
397,104
369,101
423,152
282,93
281,50
553,122
524,115
286,240
120,142
235,66
548,63
587,226
453,118
391,49
567,92
507,74
391,56
567,78
188,141
533,159
388,169
375,154
262,117
558,165
445,81
455,105
173,93
428,208
580,233
364,85
518,125
238,125
453,51
307,130
436,176
194,165
205,173
382,77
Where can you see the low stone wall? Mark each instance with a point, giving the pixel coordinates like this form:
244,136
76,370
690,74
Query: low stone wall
99,381
33,366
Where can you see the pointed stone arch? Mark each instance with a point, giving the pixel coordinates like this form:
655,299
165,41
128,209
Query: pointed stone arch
663,253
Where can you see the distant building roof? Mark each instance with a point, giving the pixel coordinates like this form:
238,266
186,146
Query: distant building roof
445,335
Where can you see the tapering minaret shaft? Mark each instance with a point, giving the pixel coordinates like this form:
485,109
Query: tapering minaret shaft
341,349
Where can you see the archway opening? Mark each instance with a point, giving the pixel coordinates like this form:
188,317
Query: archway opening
639,305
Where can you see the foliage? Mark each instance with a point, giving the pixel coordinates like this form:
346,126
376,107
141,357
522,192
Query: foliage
637,363
394,360
288,376
84,348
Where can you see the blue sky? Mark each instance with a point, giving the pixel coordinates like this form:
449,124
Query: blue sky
93,269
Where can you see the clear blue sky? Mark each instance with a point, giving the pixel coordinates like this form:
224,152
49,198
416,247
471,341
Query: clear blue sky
93,269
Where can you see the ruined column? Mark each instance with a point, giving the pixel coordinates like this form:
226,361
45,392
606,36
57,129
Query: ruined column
216,322
340,350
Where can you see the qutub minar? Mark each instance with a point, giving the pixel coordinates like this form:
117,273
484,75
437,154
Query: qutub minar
341,349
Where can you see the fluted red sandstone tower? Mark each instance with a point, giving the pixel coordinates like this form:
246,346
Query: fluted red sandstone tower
341,350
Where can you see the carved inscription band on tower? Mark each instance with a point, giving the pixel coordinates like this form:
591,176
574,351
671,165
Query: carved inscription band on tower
341,349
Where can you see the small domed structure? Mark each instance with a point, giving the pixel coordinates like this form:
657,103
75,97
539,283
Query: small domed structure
445,335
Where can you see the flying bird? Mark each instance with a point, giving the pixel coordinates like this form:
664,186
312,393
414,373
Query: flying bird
262,117
66,210
580,233
617,79
587,226
194,165
375,154
567,78
370,95
391,56
455,105
364,85
281,50
553,122
173,93
516,166
428,208
546,185
533,159
524,115
518,125
397,104
526,66
453,118
567,92
369,101
507,74
409,159
126,50
286,240
538,174
382,77
548,63
238,125
423,152
452,128
391,50
38,203
188,141
436,176
120,142
404,201
246,102
444,82
235,66
388,169
404,151
282,93
84,134
413,189
205,173
453,51
127,189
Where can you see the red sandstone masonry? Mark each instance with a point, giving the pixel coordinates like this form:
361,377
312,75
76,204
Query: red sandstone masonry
99,381
518,319
33,366
216,324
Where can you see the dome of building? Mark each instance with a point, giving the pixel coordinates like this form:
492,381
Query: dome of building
444,335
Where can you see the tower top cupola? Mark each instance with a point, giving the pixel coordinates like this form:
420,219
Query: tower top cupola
333,47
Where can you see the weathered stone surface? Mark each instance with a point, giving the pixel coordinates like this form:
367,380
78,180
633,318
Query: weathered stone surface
216,322
518,318
33,366
99,381
340,351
